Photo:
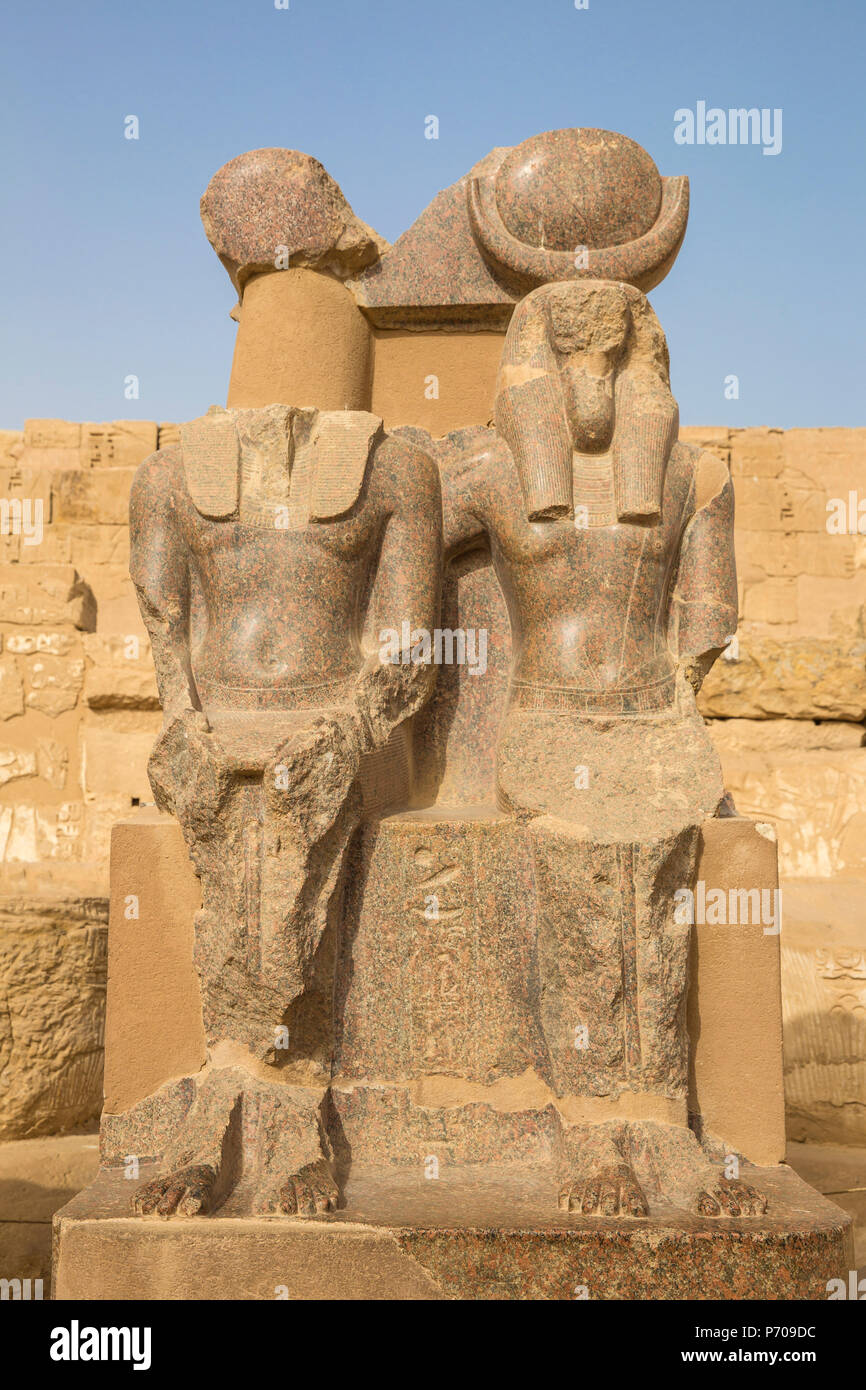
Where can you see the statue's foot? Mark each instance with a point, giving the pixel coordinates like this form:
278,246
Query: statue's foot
723,1196
605,1192
309,1191
596,1176
262,1144
673,1164
201,1166
182,1192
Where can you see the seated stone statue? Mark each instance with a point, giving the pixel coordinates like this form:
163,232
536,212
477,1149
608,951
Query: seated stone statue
257,544
444,945
613,545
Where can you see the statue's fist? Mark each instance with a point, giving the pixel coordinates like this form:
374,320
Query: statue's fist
186,771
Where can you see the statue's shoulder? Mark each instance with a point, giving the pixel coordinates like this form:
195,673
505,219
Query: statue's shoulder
475,450
706,473
684,457
160,472
405,461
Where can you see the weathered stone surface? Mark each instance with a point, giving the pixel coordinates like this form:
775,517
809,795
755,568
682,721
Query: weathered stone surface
465,1006
839,1171
96,816
397,964
519,218
52,434
37,1177
757,452
119,673
752,737
46,595
41,829
11,690
815,796
98,545
824,975
463,1236
120,444
801,679
52,762
52,988
271,209
53,443
42,643
28,484
11,447
52,683
114,596
109,744
716,439
14,763
91,495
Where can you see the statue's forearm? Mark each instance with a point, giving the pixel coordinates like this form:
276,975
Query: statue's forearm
169,642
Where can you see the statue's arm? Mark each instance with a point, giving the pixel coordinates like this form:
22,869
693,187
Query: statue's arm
464,459
186,771
704,607
463,482
408,586
160,573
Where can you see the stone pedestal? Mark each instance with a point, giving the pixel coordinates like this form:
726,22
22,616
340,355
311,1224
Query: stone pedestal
462,1236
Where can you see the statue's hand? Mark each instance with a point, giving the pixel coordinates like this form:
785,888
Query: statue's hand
311,776
187,772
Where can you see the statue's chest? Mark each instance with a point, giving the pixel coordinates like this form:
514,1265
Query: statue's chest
596,552
268,543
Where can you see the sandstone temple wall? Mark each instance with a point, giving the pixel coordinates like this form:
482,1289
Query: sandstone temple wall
79,714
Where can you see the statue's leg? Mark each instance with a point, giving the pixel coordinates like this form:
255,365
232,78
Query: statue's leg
668,1156
291,1030
588,1011
264,949
227,926
613,967
266,934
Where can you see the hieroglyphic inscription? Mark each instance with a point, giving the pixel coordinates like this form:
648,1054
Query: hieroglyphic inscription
443,964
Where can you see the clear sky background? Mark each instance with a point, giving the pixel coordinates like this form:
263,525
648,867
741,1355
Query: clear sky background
108,271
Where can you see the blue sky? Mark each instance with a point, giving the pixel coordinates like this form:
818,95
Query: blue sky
108,271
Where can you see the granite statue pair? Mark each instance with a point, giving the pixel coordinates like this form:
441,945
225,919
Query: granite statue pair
269,550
